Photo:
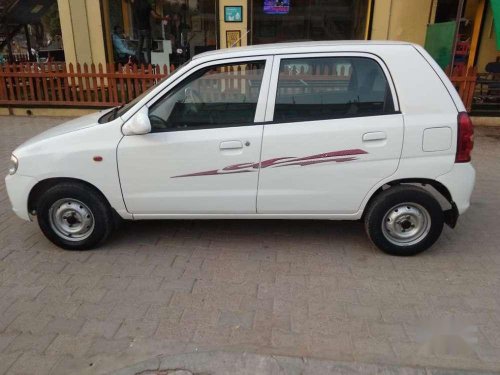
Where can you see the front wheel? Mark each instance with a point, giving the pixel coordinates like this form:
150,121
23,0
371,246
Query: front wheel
404,220
74,216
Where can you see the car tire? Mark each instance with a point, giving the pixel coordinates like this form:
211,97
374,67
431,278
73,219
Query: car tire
404,220
74,216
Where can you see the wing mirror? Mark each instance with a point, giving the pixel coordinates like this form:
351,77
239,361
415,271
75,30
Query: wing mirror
138,124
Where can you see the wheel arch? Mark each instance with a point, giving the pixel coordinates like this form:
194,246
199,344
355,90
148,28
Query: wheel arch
46,184
437,189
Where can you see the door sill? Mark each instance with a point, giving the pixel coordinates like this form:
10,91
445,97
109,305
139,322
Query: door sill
354,216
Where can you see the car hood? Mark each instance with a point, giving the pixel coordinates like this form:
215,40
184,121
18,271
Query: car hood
76,124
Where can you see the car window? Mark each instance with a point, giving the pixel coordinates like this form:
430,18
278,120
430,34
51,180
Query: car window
216,96
331,87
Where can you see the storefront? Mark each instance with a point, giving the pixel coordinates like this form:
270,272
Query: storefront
212,24
88,27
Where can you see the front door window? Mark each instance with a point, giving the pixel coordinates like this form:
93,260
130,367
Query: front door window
214,97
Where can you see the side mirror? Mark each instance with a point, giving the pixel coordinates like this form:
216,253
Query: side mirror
138,124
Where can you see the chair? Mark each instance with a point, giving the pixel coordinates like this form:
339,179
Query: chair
489,83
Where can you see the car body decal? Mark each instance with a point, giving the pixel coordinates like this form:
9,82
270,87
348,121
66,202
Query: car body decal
341,156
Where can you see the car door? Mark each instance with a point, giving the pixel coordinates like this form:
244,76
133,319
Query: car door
333,130
202,154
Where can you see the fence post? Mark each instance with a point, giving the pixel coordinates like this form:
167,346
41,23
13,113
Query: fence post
65,83
112,83
102,89
3,87
471,79
88,91
80,88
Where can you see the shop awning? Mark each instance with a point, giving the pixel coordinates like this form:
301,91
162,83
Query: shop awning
27,11
495,5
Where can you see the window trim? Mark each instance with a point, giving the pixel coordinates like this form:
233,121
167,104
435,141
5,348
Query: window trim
261,101
271,102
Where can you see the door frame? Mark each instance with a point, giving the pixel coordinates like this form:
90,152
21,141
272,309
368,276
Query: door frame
264,89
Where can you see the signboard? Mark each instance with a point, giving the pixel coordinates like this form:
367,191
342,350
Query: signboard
233,14
439,42
276,6
233,38
495,6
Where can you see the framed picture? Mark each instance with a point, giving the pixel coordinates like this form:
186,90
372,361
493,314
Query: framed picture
233,13
233,38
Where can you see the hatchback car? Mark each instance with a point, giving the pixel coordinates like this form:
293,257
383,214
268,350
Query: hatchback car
318,130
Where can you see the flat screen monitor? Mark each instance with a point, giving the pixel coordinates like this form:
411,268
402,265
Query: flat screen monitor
276,6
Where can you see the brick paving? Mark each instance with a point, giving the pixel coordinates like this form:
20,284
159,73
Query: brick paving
293,288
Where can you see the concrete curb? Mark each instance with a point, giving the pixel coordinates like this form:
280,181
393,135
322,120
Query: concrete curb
225,363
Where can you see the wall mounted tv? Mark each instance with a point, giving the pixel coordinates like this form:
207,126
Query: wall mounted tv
276,6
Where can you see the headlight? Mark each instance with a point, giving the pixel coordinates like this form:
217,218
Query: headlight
13,164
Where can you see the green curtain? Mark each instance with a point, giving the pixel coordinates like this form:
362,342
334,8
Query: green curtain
439,42
495,6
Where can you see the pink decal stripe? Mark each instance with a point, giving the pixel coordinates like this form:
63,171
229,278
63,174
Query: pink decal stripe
310,162
341,156
209,173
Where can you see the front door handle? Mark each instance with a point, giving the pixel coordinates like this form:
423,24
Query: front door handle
231,145
374,136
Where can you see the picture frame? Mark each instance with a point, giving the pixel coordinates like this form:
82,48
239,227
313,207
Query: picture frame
233,38
233,13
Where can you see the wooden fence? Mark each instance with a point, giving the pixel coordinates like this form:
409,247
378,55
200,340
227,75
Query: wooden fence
60,84
465,83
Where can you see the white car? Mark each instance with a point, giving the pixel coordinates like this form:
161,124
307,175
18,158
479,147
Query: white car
318,130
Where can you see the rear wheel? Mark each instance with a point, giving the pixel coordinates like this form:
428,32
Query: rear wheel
74,216
404,220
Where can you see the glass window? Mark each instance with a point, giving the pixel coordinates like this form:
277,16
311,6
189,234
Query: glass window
214,97
331,87
303,20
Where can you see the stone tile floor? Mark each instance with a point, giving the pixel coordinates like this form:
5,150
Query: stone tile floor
293,288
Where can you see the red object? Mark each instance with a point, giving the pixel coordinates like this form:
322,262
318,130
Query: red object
459,69
462,48
97,158
465,138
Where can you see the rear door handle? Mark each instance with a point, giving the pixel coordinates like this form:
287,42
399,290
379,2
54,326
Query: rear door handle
374,136
231,145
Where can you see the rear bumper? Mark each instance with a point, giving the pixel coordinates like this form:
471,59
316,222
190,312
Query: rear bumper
18,189
460,183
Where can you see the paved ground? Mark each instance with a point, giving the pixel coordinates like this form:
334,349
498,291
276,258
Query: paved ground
315,289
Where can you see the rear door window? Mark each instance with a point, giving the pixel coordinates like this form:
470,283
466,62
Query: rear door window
322,88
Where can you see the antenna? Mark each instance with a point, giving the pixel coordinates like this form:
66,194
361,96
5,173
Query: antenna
241,37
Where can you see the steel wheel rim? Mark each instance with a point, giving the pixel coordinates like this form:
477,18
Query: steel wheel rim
406,224
71,219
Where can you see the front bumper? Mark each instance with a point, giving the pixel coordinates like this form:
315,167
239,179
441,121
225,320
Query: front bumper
18,189
460,183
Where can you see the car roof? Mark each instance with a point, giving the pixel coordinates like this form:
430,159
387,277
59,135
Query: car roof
293,47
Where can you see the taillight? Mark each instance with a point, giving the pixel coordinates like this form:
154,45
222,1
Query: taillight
465,138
